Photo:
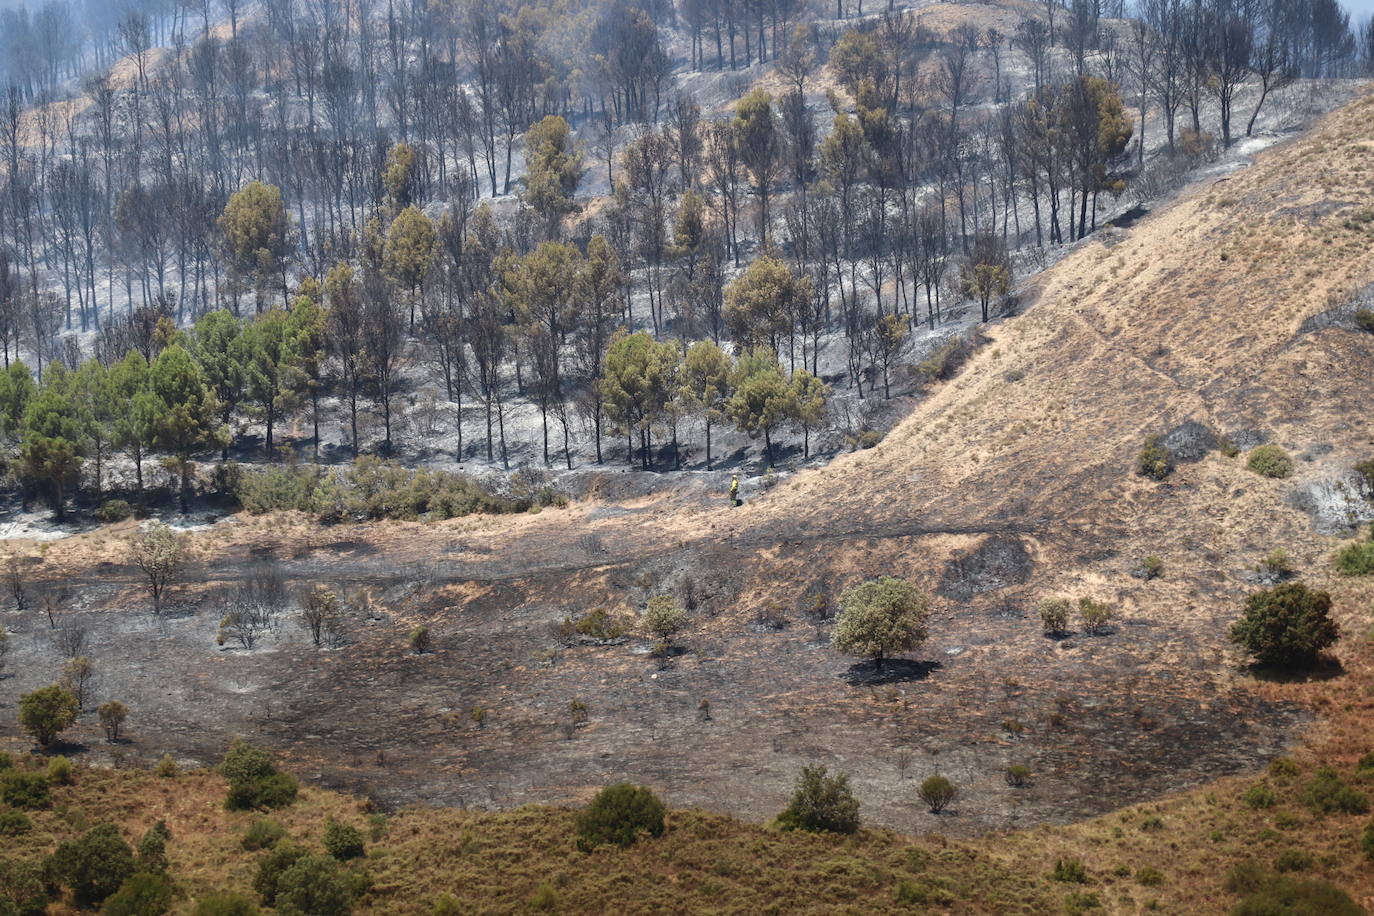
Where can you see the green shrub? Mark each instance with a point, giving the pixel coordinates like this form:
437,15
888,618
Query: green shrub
1076,903
1070,871
618,815
24,889
1094,614
1245,877
60,771
1364,320
937,792
1356,559
1365,765
544,899
313,886
225,905
114,510
166,766
446,905
152,848
1328,794
23,789
597,624
1054,615
1286,626
93,865
1150,567
1270,461
1149,877
821,803
254,781
1276,564
263,833
1284,770
144,894
1281,895
1260,796
420,640
272,867
1018,775
1154,461
1367,840
1152,823
343,841
6,761
14,823
1366,470
48,711
1293,860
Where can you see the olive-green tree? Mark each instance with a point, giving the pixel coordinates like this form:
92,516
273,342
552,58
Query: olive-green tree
46,712
809,395
879,618
636,386
759,301
705,379
255,228
273,374
553,168
763,398
185,414
54,437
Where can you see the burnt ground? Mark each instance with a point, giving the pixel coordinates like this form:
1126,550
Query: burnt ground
1102,721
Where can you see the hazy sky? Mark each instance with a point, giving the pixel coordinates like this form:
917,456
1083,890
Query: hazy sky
1359,8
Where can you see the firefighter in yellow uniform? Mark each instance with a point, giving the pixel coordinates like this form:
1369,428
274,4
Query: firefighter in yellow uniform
734,490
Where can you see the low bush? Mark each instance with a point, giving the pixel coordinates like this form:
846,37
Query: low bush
254,780
272,867
821,803
14,823
1070,871
47,712
937,792
374,489
144,894
597,625
94,865
1018,775
1154,460
1276,565
1356,559
544,899
313,886
343,841
225,905
619,815
1364,320
446,905
1367,840
263,833
1080,903
1054,615
1094,614
420,641
1150,567
152,848
24,789
1149,877
1281,895
1270,461
1284,770
24,888
1286,626
1291,860
1328,794
114,510
60,771
166,766
1260,796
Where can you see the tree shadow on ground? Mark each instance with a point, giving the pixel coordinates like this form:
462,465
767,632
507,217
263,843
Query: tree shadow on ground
894,671
1326,669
